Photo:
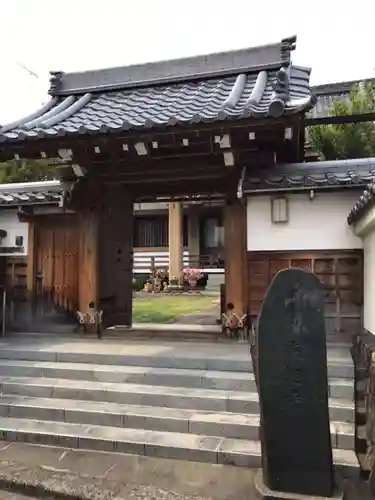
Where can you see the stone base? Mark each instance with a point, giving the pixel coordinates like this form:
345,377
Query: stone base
264,493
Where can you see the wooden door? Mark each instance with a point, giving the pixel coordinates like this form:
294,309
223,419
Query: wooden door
56,263
341,273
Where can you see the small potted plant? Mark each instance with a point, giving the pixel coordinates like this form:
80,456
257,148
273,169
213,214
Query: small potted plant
149,286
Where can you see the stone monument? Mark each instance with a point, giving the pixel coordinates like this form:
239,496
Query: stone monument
291,374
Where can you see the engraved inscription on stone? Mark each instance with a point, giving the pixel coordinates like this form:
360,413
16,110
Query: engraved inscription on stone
292,379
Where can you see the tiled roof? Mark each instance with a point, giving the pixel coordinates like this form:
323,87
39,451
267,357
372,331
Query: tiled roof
31,193
311,175
326,93
365,202
257,82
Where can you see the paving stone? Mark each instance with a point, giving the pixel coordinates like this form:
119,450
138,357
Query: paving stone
183,447
36,413
338,369
30,355
240,452
174,422
229,425
345,435
341,388
243,403
226,425
229,381
87,462
341,410
29,454
346,463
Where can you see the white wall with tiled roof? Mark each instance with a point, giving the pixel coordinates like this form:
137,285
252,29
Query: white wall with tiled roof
14,228
317,224
365,229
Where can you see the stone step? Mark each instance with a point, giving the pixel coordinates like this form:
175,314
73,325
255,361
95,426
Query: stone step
223,424
172,377
216,450
341,410
195,357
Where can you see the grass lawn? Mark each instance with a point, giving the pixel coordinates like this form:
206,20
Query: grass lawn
164,308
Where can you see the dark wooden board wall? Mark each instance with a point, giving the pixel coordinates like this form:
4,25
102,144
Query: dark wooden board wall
340,271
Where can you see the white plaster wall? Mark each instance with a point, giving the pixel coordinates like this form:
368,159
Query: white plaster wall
10,223
369,282
318,224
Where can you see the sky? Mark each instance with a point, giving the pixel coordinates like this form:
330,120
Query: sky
335,38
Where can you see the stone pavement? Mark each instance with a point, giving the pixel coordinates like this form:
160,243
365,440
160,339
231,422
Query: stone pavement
122,347
52,472
47,471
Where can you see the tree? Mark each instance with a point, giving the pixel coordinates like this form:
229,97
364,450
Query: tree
27,171
350,140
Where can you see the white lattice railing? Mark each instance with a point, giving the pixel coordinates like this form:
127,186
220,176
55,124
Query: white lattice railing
145,261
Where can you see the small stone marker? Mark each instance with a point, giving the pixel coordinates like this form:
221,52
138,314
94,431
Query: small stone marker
293,390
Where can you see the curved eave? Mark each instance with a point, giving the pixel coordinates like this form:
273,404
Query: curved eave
363,205
292,108
245,96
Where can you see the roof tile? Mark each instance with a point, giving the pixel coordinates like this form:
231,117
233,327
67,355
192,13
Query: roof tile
31,193
325,94
364,203
317,175
103,104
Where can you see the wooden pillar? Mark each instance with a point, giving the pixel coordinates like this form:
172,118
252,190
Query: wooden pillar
88,259
235,255
31,258
193,237
115,256
175,240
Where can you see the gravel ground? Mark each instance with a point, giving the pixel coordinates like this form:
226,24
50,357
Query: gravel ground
48,485
52,485
128,493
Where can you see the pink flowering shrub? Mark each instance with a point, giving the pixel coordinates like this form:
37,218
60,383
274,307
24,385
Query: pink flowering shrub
190,274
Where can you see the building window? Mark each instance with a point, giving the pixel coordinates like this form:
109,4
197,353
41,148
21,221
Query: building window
154,231
19,241
279,210
151,231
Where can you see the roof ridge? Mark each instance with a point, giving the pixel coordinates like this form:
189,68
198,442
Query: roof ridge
339,87
32,186
274,55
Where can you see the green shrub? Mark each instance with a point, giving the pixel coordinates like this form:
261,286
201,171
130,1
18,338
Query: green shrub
139,281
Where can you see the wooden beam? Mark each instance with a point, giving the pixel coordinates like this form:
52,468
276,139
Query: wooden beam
32,148
338,120
100,172
183,160
156,177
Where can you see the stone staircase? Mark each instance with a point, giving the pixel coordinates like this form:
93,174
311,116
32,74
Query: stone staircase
173,400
